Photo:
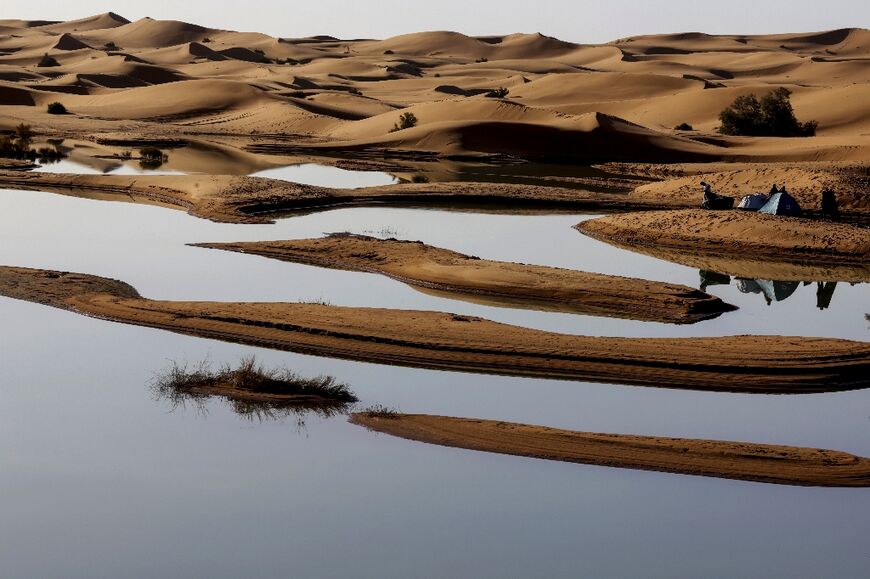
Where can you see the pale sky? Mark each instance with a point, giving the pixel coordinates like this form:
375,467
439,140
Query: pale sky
584,21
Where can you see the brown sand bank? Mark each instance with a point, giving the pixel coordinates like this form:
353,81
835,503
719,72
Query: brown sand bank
736,233
751,364
805,181
238,199
788,465
501,283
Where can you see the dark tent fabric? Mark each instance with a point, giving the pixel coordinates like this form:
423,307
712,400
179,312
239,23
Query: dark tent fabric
753,202
777,291
709,278
781,204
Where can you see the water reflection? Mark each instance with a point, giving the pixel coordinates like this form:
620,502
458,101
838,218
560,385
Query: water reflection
771,290
252,391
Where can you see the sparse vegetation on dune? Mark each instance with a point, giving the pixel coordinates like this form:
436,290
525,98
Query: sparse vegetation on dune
56,108
406,121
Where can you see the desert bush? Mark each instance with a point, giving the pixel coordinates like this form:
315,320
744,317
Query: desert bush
389,52
111,46
419,179
482,59
206,40
56,108
47,61
497,93
381,411
772,116
406,121
684,127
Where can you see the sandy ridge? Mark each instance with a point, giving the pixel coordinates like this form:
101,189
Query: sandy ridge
504,283
235,199
787,465
736,233
750,364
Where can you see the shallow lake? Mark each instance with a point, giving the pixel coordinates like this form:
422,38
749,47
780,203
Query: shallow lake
99,479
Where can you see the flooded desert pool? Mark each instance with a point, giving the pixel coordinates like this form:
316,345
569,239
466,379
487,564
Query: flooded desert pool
97,471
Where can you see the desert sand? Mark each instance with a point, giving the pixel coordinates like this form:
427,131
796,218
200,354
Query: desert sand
584,103
749,364
741,234
787,465
499,283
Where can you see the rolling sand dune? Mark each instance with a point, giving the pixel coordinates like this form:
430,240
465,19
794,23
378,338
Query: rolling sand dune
499,283
787,465
749,364
561,94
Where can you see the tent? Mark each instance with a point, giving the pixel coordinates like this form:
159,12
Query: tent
781,204
753,202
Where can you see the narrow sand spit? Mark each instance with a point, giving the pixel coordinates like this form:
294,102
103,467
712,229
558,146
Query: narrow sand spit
235,199
787,465
500,283
736,233
751,364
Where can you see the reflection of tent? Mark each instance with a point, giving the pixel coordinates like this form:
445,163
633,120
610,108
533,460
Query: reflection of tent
753,202
773,291
781,204
777,291
709,278
824,293
748,286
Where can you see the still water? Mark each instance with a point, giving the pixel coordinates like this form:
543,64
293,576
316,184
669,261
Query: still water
98,479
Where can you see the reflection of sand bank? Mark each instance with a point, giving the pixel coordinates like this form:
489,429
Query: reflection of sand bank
787,465
454,275
751,364
741,244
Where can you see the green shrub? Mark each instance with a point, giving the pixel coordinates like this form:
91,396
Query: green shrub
497,93
772,116
56,108
684,127
47,61
406,121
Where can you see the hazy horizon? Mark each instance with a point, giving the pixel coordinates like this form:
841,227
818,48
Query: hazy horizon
584,22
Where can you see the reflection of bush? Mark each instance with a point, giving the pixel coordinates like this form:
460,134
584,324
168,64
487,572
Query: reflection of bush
152,157
18,146
253,391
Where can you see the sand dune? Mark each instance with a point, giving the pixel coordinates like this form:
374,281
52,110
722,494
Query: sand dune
656,82
747,461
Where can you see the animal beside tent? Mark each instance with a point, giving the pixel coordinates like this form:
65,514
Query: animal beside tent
713,200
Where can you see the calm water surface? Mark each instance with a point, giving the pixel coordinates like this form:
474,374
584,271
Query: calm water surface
99,479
